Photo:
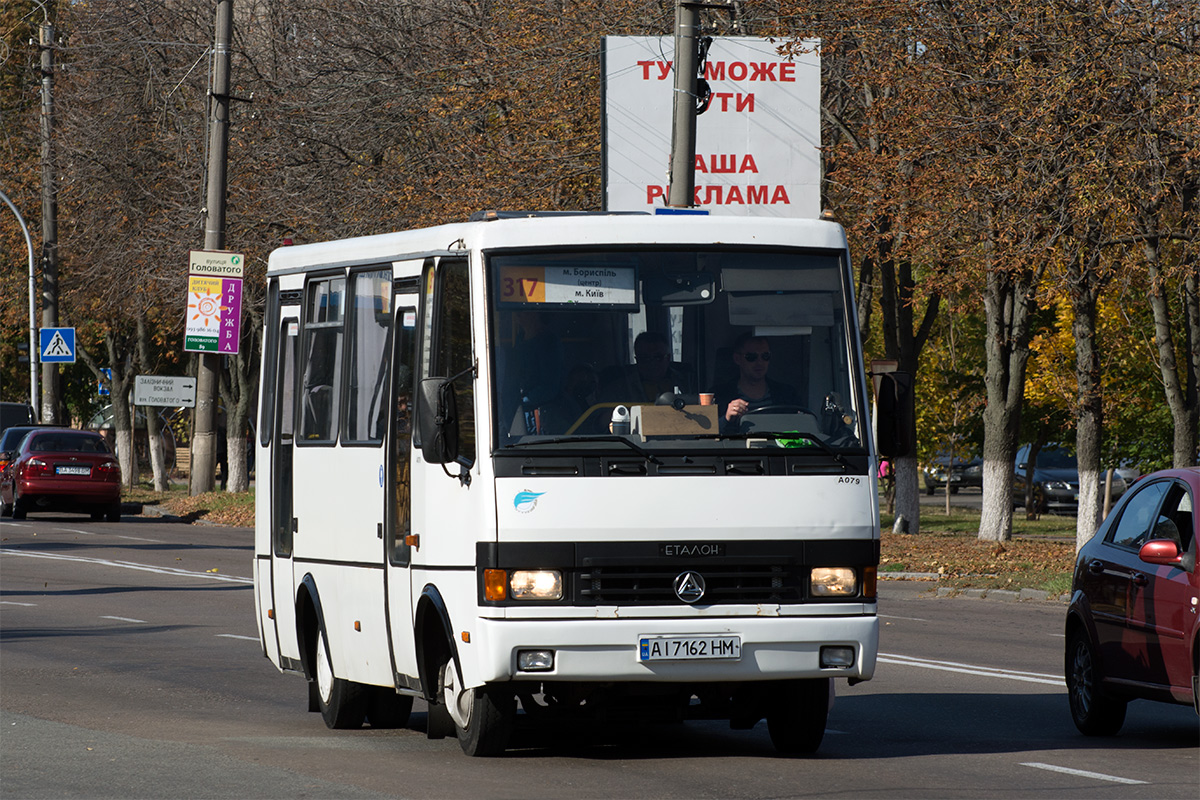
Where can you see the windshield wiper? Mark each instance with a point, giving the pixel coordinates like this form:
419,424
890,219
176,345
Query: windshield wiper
643,452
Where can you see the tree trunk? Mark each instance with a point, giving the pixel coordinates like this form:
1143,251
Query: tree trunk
1033,502
239,471
153,423
126,454
897,293
1086,283
120,363
238,385
1184,446
1189,442
1009,304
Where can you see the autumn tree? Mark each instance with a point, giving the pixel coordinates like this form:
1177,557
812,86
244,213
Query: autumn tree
886,176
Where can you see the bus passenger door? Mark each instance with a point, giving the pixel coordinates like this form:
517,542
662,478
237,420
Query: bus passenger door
398,512
282,581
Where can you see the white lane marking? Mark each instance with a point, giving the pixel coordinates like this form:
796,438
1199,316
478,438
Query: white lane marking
235,636
1082,773
910,619
114,535
123,619
971,669
15,603
183,573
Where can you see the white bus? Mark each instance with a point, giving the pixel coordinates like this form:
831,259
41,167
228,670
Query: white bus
501,467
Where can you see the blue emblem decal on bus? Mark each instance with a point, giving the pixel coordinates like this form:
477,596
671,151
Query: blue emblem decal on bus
525,501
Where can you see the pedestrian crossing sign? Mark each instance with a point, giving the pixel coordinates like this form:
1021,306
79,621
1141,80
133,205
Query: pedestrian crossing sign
57,345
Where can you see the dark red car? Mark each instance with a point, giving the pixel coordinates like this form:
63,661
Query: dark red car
1132,627
59,469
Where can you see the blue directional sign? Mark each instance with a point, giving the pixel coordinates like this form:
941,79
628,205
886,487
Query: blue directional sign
101,389
57,345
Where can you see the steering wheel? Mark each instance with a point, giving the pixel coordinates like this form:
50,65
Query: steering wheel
781,408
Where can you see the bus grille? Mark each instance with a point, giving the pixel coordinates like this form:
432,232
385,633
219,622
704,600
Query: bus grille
724,584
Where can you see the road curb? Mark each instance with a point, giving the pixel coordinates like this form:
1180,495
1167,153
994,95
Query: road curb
1005,595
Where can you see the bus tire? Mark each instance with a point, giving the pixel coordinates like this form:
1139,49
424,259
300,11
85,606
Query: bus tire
386,708
482,717
343,703
797,718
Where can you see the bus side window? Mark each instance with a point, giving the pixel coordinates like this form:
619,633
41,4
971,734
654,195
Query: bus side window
370,325
452,354
322,355
405,353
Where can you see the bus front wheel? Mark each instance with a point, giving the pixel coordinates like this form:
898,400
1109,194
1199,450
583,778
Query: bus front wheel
343,704
482,717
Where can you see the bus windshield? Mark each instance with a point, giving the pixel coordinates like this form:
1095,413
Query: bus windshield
673,347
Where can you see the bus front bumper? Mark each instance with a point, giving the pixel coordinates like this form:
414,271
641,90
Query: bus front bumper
771,648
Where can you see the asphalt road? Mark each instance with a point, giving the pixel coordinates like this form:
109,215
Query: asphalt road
964,498
130,667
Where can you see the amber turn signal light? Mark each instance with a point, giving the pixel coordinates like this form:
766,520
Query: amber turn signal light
495,585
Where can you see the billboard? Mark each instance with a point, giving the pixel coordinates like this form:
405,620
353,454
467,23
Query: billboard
757,146
214,311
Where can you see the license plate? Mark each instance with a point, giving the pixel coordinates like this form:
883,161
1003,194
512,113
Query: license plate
72,470
689,648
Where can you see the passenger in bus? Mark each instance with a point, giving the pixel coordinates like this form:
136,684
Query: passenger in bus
577,396
651,374
751,389
534,371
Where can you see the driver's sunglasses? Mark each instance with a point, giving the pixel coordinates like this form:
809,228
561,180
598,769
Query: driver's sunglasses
752,357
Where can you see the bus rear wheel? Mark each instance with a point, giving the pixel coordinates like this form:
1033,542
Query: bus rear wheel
482,716
343,704
798,714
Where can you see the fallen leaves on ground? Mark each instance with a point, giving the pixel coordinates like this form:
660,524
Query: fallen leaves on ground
220,508
968,561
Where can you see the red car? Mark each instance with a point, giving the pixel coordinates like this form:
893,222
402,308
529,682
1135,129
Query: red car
59,469
1132,627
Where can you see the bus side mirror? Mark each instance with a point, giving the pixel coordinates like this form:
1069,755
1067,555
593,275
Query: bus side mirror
895,414
437,420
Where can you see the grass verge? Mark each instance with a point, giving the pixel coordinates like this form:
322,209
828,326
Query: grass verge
1041,554
221,508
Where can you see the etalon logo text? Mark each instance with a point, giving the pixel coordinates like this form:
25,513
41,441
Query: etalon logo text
526,501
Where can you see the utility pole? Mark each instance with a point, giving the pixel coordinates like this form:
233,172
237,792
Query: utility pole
682,190
204,451
51,394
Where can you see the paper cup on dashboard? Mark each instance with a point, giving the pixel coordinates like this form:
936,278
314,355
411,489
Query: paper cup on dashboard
707,399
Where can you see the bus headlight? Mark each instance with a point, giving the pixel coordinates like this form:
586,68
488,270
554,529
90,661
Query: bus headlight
536,584
833,582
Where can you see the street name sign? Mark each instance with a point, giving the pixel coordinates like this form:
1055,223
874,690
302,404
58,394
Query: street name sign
158,390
